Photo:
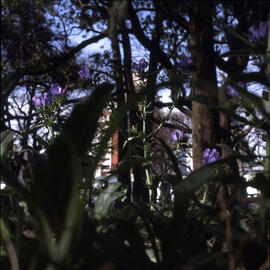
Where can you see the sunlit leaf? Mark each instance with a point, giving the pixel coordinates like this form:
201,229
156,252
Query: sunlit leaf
105,199
6,139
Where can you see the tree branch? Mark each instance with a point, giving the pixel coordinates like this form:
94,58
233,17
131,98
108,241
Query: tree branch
145,41
258,77
10,81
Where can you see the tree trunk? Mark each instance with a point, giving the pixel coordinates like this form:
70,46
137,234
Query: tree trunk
124,177
204,118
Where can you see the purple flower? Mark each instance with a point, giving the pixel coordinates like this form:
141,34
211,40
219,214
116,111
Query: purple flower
84,72
56,89
232,92
185,62
46,99
37,101
42,101
241,84
253,34
263,29
210,156
257,34
140,67
177,135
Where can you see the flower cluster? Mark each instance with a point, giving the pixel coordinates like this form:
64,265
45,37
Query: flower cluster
177,135
56,90
258,33
185,63
210,156
84,72
48,98
41,101
140,67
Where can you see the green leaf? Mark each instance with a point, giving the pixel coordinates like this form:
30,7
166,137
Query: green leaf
56,182
265,95
183,192
151,254
255,122
43,142
83,122
171,179
134,129
72,226
173,159
185,189
249,99
6,139
105,199
230,179
5,236
244,225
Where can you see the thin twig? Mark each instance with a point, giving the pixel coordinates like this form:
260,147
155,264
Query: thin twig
84,5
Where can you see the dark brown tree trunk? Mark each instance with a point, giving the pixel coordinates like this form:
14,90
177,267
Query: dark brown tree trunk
139,189
124,177
205,120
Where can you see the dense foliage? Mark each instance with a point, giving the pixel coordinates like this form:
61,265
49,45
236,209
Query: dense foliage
214,59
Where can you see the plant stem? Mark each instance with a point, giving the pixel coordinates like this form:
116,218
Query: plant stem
145,155
167,116
51,133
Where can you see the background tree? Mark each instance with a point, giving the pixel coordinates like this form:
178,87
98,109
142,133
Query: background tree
209,55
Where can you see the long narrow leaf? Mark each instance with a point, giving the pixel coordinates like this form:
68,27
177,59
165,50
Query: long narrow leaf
6,139
82,124
173,159
105,199
55,183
